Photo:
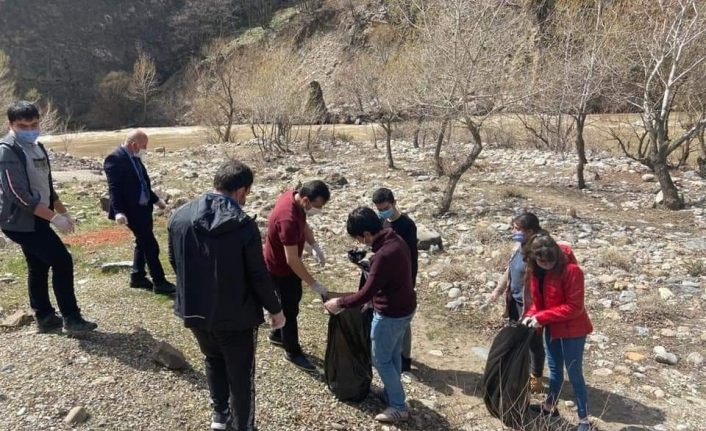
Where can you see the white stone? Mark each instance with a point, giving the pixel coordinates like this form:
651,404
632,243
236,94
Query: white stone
437,353
695,358
454,292
665,293
648,178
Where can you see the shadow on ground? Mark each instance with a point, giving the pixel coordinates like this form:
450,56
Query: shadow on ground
607,406
134,350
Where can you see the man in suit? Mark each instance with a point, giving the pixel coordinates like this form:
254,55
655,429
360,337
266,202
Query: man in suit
131,202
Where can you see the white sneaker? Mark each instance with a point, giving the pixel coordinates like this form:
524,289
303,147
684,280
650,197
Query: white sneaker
392,415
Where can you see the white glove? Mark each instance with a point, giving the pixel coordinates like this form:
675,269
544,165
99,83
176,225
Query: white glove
318,288
62,223
277,321
318,254
531,322
120,219
71,219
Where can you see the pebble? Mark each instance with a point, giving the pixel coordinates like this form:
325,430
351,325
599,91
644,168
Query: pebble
602,372
437,353
664,357
168,356
76,416
454,292
665,294
695,358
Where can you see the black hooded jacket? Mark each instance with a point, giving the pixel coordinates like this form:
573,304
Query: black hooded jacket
216,252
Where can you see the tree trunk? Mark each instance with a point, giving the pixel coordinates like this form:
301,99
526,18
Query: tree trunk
701,160
375,137
437,149
415,139
672,200
229,124
446,200
580,150
457,173
388,144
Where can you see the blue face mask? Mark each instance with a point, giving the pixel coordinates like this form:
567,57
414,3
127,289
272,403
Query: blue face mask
386,214
518,236
27,136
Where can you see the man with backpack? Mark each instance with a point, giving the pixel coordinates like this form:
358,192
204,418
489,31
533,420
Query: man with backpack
28,205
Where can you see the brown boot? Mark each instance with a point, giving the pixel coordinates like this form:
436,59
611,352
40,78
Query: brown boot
535,385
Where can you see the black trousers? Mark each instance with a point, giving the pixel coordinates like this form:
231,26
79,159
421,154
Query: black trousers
43,249
146,246
230,371
537,352
289,290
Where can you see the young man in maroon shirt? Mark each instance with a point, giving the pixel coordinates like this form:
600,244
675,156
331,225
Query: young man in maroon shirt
287,231
390,287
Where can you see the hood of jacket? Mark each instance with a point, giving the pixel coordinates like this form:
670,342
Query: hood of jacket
216,214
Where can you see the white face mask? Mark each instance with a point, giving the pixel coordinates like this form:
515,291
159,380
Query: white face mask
313,211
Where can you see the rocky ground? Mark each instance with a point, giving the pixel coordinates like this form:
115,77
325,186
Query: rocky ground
645,277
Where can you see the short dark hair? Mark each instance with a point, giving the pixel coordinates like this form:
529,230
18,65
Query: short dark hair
233,175
527,221
22,110
383,195
315,189
363,219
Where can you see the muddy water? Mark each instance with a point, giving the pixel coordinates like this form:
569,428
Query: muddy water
97,144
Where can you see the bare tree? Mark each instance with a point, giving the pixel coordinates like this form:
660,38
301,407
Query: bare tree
575,70
215,101
464,66
143,81
272,91
667,41
7,83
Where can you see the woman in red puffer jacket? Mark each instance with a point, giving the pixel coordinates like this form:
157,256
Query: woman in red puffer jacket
556,288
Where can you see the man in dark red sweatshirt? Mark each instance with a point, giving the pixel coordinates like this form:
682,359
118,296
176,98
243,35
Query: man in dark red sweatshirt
390,287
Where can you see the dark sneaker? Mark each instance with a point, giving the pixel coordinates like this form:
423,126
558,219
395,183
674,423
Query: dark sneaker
542,411
221,421
50,323
378,393
275,338
141,283
300,361
78,325
164,288
406,364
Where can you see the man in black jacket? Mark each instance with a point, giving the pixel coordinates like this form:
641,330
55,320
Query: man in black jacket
131,202
222,286
403,226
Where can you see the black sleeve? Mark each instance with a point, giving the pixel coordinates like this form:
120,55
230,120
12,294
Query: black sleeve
406,228
170,244
256,272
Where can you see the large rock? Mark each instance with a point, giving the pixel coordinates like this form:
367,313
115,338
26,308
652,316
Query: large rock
335,180
426,238
76,416
315,107
168,356
17,319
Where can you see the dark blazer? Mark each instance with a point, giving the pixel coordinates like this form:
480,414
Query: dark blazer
124,185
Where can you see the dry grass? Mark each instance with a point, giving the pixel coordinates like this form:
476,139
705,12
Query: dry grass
614,257
695,267
486,234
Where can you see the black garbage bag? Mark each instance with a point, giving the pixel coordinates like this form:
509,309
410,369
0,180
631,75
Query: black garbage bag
505,380
347,366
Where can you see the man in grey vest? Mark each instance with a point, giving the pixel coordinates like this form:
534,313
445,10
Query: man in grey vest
28,205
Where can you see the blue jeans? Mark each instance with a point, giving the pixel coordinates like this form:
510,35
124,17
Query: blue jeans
567,352
387,336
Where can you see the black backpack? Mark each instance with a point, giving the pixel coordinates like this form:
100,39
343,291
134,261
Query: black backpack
506,375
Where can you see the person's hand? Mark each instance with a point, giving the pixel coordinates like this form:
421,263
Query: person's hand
62,223
531,322
332,306
321,290
161,204
318,254
277,321
492,297
120,219
71,219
